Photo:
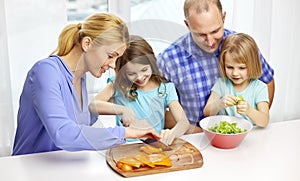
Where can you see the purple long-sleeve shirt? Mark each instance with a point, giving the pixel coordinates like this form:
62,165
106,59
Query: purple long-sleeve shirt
50,117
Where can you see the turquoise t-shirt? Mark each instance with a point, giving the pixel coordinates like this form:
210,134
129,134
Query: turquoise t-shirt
149,105
256,92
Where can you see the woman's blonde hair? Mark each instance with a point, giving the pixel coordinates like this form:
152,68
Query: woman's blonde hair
139,51
242,49
102,28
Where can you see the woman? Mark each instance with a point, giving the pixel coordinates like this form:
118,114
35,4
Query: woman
53,112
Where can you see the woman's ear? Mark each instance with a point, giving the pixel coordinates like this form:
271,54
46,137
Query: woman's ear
186,24
224,16
85,43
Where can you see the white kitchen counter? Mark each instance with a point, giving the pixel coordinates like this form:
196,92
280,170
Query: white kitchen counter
272,153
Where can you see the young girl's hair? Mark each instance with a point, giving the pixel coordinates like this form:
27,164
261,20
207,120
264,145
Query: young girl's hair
102,28
243,49
139,51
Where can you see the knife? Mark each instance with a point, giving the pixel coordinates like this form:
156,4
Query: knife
156,143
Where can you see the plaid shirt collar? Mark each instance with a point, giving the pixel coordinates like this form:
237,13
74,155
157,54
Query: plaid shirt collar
194,49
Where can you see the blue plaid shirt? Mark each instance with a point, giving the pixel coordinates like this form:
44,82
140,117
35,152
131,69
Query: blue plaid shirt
194,72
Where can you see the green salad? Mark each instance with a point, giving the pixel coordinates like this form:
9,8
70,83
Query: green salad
226,127
240,98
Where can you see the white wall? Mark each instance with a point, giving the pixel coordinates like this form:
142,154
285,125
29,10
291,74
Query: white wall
6,108
285,57
29,30
32,30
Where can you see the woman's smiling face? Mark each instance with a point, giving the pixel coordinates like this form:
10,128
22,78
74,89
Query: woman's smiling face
99,59
139,74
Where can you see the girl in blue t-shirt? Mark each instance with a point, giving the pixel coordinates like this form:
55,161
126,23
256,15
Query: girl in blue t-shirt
140,93
239,92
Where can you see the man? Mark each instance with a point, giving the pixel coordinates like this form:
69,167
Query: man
191,62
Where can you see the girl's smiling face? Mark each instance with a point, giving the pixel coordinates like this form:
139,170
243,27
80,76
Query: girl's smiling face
139,74
236,72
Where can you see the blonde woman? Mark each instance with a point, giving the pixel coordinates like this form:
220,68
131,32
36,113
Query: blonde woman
239,92
53,112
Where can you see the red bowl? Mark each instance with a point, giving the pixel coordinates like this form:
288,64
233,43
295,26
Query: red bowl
225,141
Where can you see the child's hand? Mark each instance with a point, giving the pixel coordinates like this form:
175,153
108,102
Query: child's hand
228,100
242,107
128,117
167,136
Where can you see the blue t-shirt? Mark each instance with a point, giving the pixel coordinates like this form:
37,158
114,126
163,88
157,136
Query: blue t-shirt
256,92
149,105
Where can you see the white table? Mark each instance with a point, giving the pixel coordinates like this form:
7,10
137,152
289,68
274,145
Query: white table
271,154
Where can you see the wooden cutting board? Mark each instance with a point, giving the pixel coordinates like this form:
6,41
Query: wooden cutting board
183,156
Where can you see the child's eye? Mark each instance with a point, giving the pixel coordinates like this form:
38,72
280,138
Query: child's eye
144,69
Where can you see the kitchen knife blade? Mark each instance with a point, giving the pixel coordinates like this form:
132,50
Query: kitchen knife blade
155,143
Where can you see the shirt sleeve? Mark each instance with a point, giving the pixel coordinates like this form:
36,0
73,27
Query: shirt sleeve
48,100
219,87
161,63
262,93
111,79
267,71
171,93
94,118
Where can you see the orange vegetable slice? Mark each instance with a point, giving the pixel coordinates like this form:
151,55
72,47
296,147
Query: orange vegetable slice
131,161
150,149
160,159
144,159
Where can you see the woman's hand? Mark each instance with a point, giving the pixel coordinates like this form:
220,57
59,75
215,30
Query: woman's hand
141,129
